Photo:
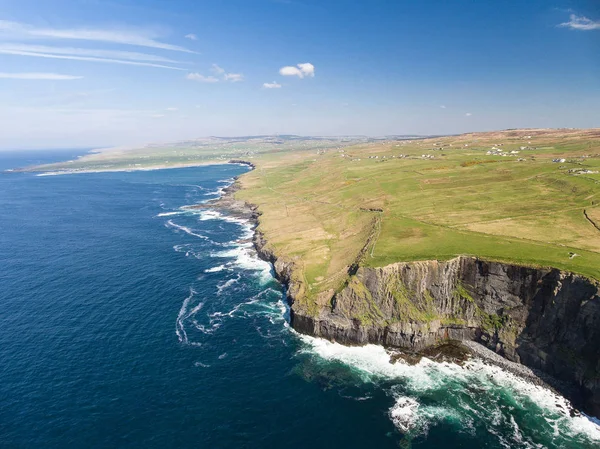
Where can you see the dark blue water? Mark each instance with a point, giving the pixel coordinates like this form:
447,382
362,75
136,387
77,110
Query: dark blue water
126,321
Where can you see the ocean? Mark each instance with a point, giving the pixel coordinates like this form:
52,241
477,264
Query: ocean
128,321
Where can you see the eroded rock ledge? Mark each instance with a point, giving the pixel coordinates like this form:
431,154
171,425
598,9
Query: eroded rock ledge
545,319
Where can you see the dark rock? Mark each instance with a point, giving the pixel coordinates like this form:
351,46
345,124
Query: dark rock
546,319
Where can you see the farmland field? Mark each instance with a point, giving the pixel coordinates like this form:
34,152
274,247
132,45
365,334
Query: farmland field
529,197
517,196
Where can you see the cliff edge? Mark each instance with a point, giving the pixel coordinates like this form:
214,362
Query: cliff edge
545,319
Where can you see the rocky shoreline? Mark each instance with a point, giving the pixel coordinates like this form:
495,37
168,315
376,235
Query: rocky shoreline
542,325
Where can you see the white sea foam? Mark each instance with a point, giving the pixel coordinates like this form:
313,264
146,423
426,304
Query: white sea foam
408,415
372,363
404,413
244,256
216,269
232,312
207,330
224,285
206,215
253,306
217,192
170,214
185,229
181,316
187,249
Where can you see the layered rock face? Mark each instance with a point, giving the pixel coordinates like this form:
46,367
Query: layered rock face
545,319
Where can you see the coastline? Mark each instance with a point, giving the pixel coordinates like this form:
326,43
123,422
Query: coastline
123,169
459,349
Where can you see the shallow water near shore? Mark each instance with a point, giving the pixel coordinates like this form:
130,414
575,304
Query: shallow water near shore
127,320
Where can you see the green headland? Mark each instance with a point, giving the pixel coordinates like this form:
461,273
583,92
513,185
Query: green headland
529,197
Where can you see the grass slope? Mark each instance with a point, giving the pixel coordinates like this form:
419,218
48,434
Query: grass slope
433,199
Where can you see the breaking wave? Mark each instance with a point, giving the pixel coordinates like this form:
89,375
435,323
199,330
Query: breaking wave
223,297
185,229
471,398
183,315
245,257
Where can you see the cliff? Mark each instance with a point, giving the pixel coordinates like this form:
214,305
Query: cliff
545,319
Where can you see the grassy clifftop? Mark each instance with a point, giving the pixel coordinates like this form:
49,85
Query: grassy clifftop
524,196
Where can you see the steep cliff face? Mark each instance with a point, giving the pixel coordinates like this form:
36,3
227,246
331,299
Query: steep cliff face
545,319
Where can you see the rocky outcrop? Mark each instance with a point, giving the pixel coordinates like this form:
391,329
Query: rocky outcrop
546,319
242,162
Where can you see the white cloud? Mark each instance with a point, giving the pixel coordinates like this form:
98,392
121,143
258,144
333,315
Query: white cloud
217,70
172,109
38,76
307,69
115,36
581,23
443,107
233,77
273,85
86,52
157,115
301,70
191,37
201,78
290,71
14,50
468,114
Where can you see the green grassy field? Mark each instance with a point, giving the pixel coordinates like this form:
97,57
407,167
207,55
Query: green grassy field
530,197
191,153
433,199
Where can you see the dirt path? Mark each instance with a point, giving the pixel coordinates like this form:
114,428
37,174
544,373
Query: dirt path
590,220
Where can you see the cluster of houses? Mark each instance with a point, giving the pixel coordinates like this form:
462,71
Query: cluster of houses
495,151
400,156
582,171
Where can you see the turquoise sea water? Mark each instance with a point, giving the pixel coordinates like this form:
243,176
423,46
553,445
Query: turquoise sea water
126,321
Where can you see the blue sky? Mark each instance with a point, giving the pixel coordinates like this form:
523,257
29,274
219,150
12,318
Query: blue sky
79,73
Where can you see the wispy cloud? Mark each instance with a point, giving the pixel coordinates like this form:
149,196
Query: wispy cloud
581,23
273,85
217,70
191,37
172,109
468,114
443,107
126,37
86,52
233,77
300,70
201,78
36,54
38,76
